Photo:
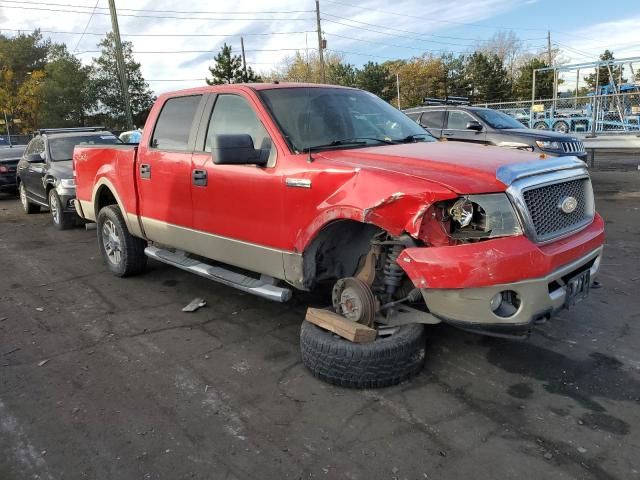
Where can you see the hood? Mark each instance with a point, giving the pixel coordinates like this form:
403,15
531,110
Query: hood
62,169
462,168
542,134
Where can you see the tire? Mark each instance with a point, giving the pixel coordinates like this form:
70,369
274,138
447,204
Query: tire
27,206
540,126
385,361
561,126
122,252
61,219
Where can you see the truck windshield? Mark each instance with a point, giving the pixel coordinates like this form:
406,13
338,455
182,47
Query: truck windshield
498,120
61,148
317,118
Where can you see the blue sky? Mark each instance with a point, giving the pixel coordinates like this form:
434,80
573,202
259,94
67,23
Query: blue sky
370,30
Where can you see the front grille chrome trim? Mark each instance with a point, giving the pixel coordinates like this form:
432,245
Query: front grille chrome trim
516,194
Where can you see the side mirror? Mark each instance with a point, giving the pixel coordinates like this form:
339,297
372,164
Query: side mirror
474,125
235,149
35,158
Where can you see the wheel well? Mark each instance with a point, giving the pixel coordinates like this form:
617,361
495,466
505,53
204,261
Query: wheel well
337,251
104,197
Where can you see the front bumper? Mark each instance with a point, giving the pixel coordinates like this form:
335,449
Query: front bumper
540,298
458,282
67,198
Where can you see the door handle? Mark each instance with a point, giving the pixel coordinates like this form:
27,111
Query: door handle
447,134
145,170
199,178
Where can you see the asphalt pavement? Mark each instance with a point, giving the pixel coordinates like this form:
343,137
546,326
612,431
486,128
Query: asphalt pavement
106,378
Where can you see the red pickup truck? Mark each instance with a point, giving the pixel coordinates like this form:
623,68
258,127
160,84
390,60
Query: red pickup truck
269,187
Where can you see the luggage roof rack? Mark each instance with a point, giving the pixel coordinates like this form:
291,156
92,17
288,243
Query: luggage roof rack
446,101
70,130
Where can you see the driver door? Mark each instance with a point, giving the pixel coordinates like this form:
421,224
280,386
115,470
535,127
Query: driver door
456,128
237,209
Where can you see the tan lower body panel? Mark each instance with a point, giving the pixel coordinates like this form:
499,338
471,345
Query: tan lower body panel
87,212
276,263
471,305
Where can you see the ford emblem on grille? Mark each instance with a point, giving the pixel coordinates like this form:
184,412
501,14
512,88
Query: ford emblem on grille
568,204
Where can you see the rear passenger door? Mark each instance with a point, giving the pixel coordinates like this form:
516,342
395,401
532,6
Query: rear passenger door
456,128
32,173
164,169
433,121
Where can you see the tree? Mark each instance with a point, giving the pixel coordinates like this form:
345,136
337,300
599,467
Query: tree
603,77
22,59
488,78
524,81
228,69
419,77
305,67
105,84
375,78
67,97
507,47
339,73
454,77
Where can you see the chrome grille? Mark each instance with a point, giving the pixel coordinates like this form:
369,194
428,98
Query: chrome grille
572,147
547,218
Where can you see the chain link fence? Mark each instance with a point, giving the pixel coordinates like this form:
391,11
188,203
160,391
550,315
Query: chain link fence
15,140
594,114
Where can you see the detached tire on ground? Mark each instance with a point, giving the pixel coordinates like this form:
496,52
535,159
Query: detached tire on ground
386,361
122,252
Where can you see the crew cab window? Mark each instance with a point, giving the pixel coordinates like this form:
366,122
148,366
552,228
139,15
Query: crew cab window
432,119
458,120
232,114
415,116
174,123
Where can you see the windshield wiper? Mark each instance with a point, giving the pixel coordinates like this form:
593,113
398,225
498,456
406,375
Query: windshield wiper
413,138
353,141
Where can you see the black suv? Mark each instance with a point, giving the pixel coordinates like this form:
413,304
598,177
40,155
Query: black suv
9,157
465,123
45,171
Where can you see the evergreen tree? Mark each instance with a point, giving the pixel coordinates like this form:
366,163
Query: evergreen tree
228,69
375,78
340,74
524,82
603,74
105,85
488,78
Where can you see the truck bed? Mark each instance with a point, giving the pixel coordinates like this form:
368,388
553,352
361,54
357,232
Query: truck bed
114,166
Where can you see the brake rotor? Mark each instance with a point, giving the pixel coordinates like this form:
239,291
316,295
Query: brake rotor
353,299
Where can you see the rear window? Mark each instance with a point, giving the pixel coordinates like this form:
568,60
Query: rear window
174,123
61,148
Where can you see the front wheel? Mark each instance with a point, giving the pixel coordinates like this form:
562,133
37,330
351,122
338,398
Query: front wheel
61,220
388,360
122,252
27,206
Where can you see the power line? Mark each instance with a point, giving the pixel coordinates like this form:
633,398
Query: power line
162,52
431,19
50,4
360,54
156,16
165,34
388,44
86,26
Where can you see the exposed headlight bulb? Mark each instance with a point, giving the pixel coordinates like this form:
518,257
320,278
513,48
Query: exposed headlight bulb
462,212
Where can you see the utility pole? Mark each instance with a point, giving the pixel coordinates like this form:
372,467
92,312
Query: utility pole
398,88
122,72
549,47
320,45
244,61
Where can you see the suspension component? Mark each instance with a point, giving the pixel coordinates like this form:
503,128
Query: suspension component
392,272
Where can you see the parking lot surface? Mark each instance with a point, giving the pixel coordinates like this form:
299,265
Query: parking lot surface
106,378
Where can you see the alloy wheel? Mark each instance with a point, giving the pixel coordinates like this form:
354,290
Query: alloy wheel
111,242
54,207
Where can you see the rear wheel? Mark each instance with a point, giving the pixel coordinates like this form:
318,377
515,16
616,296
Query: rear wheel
61,220
122,252
541,126
27,205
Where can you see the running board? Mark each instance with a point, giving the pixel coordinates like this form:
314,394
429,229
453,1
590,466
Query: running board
260,287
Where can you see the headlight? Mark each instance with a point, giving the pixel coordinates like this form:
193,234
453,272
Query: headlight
67,183
480,216
546,145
